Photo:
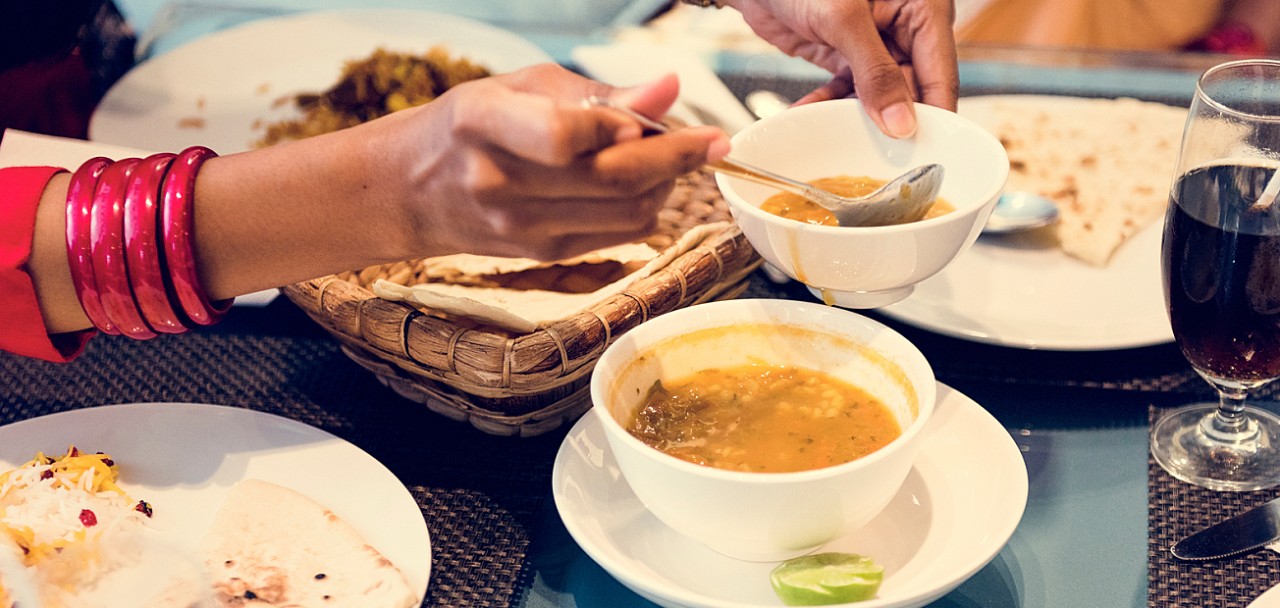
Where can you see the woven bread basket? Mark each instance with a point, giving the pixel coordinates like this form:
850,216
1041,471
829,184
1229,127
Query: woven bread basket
525,384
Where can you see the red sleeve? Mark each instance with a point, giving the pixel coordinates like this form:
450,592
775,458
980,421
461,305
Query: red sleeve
22,328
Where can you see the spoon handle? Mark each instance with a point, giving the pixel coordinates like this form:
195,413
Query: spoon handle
736,168
729,166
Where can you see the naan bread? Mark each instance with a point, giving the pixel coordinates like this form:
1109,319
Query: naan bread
487,271
1108,163
271,546
525,310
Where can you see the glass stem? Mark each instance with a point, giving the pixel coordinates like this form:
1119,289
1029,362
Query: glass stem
1230,423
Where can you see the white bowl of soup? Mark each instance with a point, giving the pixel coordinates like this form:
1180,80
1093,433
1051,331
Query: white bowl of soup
763,428
865,267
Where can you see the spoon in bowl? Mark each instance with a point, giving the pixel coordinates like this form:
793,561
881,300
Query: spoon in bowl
904,199
1017,211
1014,212
764,103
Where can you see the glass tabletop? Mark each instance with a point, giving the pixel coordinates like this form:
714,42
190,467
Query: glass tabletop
1081,542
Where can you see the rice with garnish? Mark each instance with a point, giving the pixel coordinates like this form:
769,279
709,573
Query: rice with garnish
64,523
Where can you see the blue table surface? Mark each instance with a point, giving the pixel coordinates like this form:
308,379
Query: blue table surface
1082,540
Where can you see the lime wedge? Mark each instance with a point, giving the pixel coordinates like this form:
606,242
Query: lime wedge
826,578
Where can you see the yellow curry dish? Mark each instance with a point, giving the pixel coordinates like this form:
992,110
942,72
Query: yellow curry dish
801,209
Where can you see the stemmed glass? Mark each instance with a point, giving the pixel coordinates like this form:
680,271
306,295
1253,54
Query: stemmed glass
1221,265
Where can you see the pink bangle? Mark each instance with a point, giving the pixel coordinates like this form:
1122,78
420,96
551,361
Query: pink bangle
142,253
109,268
80,195
176,222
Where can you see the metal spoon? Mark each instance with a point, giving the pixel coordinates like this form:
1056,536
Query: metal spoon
1016,211
765,103
905,199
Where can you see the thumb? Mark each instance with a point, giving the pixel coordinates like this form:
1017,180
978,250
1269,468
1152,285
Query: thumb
652,99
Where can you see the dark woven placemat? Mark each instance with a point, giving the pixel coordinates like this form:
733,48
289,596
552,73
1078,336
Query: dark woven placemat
481,495
484,496
1176,509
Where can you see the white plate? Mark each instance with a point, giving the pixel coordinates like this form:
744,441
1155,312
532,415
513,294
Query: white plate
1269,599
1014,292
230,79
183,459
958,508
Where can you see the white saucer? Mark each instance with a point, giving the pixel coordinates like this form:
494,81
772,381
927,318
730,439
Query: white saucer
957,509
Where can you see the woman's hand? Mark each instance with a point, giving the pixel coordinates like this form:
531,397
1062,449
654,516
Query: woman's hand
888,52
516,165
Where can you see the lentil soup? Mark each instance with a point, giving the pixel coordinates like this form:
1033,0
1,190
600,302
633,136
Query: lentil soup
763,418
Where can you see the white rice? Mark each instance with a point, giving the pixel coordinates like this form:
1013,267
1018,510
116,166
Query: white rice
52,510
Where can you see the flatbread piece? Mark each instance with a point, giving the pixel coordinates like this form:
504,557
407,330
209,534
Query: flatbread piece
525,310
271,546
1107,163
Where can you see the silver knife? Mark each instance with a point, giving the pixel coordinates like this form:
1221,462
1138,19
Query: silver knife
1253,529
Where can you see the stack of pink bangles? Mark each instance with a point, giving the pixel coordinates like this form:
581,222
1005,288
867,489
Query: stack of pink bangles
129,243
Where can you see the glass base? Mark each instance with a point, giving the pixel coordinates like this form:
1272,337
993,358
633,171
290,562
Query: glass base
1248,460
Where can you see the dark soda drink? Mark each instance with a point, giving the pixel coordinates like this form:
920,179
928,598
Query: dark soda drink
1221,262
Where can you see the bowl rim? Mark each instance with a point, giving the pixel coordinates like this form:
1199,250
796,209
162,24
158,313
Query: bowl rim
926,396
737,202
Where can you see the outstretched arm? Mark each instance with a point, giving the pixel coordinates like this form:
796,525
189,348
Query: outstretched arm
512,165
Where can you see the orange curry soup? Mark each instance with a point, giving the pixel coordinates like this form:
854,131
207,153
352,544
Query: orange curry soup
763,418
796,207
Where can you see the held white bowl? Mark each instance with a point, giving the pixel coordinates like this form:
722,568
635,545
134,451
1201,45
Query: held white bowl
763,516
873,266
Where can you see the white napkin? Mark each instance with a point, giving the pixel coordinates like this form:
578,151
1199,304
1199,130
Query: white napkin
20,148
702,94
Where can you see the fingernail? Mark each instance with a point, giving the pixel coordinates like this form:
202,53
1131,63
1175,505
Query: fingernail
717,142
627,132
718,149
899,120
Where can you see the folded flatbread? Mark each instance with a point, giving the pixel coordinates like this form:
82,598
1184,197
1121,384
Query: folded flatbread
271,546
525,310
1107,163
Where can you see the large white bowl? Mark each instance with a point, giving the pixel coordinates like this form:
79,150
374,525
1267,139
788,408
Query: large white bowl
874,266
763,516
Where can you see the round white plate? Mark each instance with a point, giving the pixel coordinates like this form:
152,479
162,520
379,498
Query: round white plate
1269,599
1014,291
957,509
184,458
219,90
